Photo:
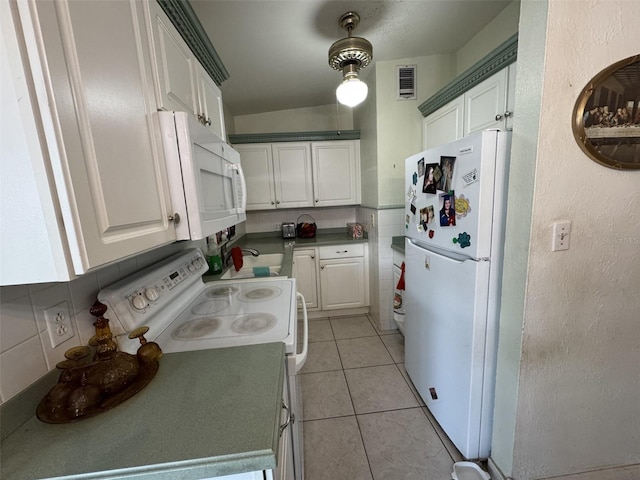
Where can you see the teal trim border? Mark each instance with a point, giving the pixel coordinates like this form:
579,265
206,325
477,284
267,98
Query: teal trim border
294,137
186,22
503,56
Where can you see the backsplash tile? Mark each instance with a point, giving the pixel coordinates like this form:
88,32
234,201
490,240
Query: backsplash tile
20,366
26,353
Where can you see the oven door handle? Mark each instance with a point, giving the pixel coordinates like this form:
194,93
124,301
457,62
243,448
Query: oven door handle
301,358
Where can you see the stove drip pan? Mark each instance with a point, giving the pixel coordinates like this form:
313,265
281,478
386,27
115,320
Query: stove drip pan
196,328
253,324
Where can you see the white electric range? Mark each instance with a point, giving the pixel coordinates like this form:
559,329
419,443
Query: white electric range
184,314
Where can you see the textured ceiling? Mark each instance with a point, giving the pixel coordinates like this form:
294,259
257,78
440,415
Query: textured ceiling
276,50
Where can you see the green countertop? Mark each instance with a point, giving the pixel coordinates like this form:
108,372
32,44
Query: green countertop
274,243
205,414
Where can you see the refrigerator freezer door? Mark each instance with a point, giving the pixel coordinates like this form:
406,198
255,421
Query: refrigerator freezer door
445,323
474,169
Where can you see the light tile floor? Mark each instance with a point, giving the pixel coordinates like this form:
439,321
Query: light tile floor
362,417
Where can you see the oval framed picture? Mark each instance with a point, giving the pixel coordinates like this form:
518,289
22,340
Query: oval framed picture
606,117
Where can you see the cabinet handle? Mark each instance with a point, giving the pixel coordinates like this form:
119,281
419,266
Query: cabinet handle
508,114
277,202
208,122
498,117
317,200
313,257
273,203
290,417
201,118
175,218
322,267
343,251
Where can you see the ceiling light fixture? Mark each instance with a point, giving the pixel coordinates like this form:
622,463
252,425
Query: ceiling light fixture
350,54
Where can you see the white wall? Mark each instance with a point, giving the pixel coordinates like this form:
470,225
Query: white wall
366,118
309,119
577,395
270,220
399,122
496,32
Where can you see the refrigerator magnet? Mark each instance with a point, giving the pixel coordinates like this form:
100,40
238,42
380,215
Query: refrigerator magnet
462,206
426,215
470,177
412,207
447,211
446,165
430,181
421,167
415,178
431,233
427,262
464,240
420,228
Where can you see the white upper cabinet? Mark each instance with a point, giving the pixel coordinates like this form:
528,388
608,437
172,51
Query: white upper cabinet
487,105
277,175
444,125
96,163
336,173
301,174
181,83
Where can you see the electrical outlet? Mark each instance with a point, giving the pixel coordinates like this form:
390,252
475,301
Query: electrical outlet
277,226
58,324
561,232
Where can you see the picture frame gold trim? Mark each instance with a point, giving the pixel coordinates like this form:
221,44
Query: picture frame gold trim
602,129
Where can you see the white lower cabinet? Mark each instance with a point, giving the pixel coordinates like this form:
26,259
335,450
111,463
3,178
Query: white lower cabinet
305,271
337,277
83,175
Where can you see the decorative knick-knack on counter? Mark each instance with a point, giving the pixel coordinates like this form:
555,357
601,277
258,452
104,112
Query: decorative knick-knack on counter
89,386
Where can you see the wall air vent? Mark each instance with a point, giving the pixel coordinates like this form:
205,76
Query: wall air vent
406,81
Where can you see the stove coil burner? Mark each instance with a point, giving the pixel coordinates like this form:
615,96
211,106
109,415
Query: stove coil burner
209,307
259,294
225,291
196,328
253,324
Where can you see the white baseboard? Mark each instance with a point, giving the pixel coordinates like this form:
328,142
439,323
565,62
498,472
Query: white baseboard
627,472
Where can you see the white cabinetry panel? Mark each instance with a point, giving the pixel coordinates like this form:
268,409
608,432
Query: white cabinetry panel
305,271
336,173
100,137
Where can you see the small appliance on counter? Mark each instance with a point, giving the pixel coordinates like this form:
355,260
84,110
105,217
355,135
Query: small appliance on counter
288,230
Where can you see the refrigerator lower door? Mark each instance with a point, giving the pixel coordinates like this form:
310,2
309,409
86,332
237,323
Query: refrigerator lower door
445,323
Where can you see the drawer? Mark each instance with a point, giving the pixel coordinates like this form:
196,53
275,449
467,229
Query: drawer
341,251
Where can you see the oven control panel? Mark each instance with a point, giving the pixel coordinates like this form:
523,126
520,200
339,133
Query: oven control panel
132,301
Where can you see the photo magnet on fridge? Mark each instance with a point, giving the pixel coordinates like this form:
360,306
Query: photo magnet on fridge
427,214
446,165
447,210
431,178
421,167
413,208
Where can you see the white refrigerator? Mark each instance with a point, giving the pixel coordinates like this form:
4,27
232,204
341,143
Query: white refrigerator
455,212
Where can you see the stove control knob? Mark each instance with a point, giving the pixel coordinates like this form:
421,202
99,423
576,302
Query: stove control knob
191,267
151,294
139,302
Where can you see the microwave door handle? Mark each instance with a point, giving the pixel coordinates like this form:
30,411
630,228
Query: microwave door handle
243,183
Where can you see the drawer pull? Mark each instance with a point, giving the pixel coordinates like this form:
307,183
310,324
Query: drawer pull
343,251
290,418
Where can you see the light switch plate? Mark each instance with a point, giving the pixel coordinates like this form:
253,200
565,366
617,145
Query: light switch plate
561,233
59,323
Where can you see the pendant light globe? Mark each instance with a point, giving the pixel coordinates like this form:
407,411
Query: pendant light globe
352,91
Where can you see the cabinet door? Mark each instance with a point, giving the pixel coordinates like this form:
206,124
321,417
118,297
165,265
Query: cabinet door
444,125
210,102
336,173
256,160
174,65
110,172
342,283
305,271
485,104
292,175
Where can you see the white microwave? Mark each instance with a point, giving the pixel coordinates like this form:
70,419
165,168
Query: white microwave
206,181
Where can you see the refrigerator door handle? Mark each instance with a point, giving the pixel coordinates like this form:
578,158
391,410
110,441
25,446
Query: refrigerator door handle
448,254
